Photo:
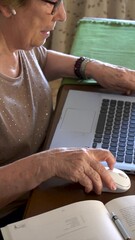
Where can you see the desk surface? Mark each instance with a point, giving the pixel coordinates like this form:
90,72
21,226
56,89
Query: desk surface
57,192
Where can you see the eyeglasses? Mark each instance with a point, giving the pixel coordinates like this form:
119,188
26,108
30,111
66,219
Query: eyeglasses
55,5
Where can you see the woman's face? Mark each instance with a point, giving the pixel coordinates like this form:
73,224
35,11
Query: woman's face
33,23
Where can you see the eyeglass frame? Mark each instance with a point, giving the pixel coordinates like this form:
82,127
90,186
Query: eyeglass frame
55,5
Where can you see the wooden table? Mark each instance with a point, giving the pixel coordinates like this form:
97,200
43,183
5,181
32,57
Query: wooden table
57,192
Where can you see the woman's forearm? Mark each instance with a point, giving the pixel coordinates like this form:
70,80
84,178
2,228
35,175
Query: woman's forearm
107,75
111,76
23,176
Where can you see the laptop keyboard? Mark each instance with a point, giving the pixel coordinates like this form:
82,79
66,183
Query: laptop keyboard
115,129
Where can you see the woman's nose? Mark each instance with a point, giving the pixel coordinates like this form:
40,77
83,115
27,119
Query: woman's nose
60,14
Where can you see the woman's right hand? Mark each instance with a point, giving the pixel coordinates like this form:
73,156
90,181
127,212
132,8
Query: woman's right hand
83,165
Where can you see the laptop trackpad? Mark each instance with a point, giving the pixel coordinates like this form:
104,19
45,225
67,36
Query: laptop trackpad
78,120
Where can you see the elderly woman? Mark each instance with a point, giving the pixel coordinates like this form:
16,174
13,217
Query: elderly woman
26,66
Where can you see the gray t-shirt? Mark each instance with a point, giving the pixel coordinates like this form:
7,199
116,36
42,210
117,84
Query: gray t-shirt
25,108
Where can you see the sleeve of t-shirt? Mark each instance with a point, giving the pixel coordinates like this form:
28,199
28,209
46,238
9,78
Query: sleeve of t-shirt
41,54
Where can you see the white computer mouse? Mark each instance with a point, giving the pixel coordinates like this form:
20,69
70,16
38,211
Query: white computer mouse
121,179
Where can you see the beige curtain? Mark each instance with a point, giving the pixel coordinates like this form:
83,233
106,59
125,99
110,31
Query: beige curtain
62,37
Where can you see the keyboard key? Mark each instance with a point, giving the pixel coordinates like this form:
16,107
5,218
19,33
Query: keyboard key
120,154
105,146
129,152
112,144
122,144
120,159
115,140
94,145
101,123
128,158
130,148
121,149
113,149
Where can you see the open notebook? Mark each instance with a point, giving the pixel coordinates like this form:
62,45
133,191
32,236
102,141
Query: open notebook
99,120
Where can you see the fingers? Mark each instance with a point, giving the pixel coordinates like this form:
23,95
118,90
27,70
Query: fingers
98,175
102,155
86,182
95,172
89,178
96,182
93,179
105,178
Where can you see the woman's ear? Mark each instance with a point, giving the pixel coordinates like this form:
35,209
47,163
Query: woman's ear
7,11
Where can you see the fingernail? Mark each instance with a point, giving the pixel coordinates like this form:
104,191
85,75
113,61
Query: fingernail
114,187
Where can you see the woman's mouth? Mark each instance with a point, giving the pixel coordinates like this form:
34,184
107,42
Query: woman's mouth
45,34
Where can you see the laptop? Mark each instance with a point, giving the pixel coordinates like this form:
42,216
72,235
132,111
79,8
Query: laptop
99,120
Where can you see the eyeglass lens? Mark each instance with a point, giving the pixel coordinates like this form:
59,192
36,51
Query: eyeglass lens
56,5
